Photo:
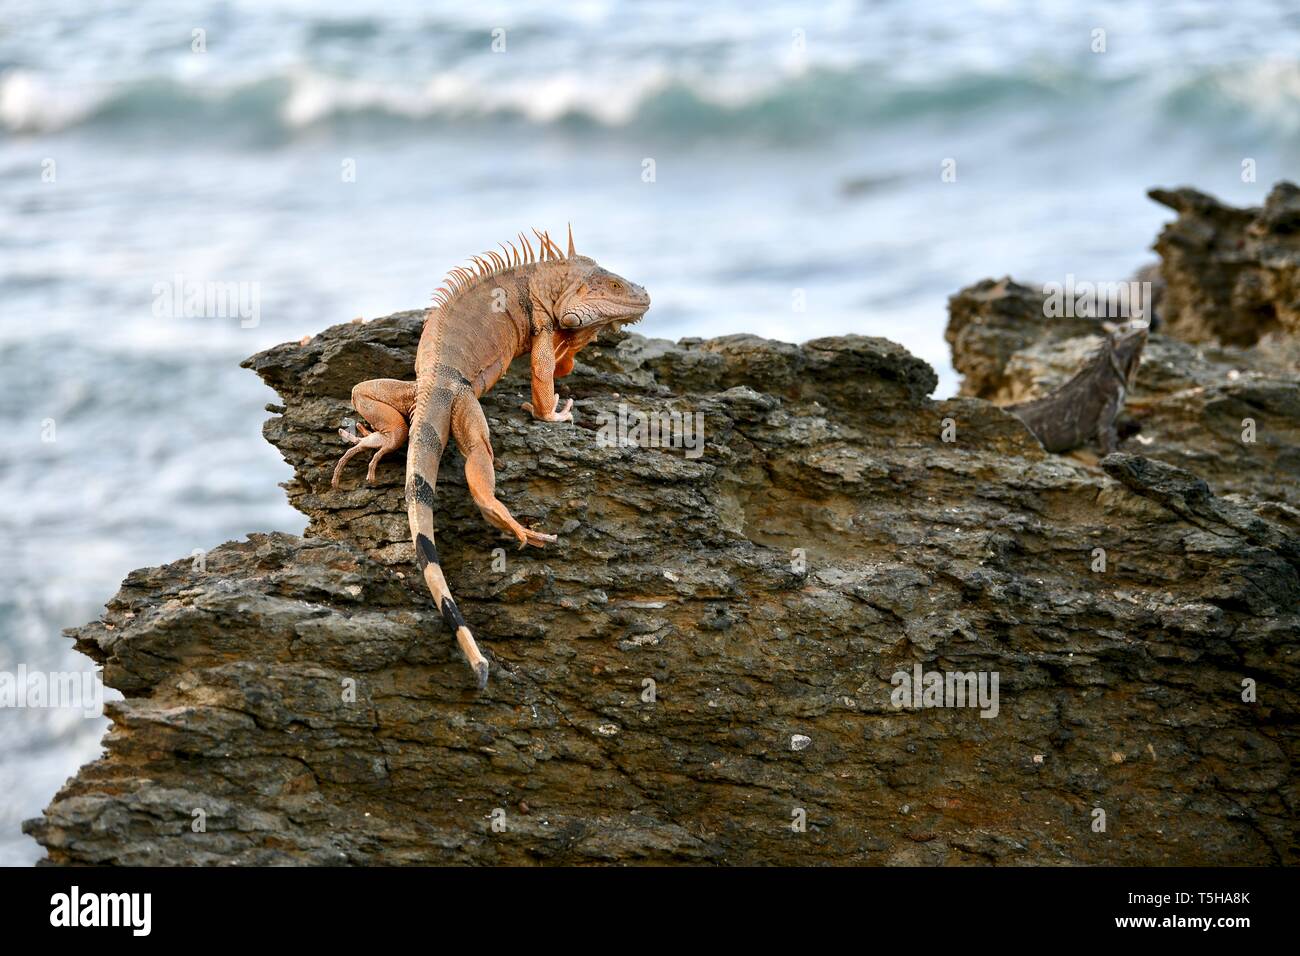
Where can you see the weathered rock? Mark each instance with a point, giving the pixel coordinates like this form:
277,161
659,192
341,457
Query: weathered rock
1231,414
1228,411
706,656
1233,274
1006,349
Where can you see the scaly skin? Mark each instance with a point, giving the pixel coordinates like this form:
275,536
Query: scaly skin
546,305
1087,406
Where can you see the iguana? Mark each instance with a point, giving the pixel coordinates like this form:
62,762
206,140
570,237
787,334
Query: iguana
1086,406
546,304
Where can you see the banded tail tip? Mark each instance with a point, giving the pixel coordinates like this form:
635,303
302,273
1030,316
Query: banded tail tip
451,613
473,656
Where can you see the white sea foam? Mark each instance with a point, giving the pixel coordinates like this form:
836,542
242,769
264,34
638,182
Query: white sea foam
792,88
32,102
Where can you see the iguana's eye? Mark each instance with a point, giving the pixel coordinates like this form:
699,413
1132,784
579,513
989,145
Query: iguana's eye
615,285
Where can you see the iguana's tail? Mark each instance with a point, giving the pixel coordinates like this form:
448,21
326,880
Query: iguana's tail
430,425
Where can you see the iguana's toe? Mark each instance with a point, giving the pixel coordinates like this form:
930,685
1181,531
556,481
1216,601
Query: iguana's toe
371,440
563,415
355,433
537,539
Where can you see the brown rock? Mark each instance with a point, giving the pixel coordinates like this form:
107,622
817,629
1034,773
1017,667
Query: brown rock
653,667
1233,274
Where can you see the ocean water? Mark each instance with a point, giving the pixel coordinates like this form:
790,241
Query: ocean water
332,161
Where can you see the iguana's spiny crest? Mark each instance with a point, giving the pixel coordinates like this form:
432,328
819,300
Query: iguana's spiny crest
573,290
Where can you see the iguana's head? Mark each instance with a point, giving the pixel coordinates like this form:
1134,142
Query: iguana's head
593,296
569,292
1126,352
580,294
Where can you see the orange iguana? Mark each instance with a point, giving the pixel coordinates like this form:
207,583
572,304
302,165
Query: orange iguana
547,305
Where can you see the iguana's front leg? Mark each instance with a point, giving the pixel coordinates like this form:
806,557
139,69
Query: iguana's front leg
545,402
1107,430
567,348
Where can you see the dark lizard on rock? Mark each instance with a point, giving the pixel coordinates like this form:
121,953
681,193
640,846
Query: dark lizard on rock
547,305
1086,407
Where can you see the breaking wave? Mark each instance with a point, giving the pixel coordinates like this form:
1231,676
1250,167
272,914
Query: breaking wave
790,105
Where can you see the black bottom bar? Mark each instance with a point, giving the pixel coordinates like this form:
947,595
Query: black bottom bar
241,906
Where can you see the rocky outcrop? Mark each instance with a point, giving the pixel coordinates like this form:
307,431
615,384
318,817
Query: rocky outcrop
704,668
1226,411
1233,274
1006,348
707,653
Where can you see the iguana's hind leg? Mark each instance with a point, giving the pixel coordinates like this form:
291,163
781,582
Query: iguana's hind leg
470,429
386,404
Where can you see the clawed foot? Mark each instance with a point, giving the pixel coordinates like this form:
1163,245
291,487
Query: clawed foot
563,415
367,439
499,516
528,536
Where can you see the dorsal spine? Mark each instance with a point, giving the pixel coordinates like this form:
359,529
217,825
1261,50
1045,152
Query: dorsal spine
462,278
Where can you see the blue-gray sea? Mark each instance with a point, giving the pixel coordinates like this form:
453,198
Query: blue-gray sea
335,158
